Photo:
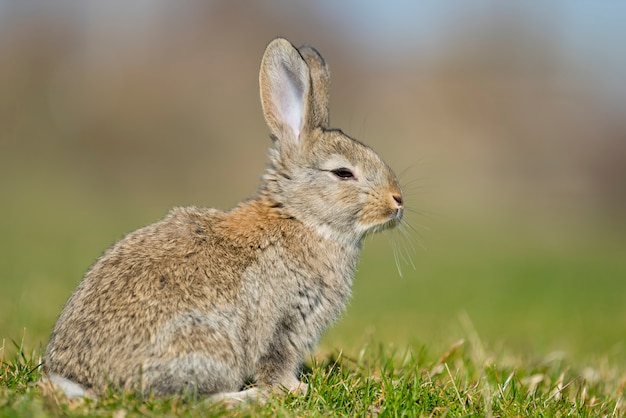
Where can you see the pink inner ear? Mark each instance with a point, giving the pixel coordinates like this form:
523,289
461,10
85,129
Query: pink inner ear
290,102
290,107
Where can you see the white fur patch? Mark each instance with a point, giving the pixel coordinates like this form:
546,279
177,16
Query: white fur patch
71,389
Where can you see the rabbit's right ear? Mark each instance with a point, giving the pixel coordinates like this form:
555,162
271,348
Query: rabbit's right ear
285,90
320,79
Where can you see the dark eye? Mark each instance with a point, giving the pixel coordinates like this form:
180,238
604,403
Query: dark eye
343,173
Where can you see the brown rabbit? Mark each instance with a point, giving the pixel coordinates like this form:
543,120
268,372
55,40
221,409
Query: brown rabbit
204,301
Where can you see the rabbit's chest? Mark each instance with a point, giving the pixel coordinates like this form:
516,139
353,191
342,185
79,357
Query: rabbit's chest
318,303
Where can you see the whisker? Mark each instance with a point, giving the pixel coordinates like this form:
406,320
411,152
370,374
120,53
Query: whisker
415,229
395,255
416,180
417,190
423,212
406,258
410,167
403,248
408,241
403,256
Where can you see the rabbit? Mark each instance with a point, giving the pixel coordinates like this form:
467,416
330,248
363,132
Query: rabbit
206,301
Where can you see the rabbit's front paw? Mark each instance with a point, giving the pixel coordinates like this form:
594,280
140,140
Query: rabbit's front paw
294,386
301,389
232,399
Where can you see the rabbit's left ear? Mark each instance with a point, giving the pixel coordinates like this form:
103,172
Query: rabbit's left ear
285,90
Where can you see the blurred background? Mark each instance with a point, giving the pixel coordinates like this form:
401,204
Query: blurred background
506,121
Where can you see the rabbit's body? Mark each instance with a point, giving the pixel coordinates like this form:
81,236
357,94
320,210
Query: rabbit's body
205,301
213,299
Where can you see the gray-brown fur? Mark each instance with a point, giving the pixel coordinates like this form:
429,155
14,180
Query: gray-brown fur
204,300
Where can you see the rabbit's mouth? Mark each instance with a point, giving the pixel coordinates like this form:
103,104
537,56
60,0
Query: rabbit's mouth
392,221
395,220
387,217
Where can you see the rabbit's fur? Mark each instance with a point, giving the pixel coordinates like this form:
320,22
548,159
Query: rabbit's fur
204,301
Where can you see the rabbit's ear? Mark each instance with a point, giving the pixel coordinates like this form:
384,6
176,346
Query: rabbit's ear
320,79
285,89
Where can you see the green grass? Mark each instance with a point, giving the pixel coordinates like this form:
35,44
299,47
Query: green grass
465,380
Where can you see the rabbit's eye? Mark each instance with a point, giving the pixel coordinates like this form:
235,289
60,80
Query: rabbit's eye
343,173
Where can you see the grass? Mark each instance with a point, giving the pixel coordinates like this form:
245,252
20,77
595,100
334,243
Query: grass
465,380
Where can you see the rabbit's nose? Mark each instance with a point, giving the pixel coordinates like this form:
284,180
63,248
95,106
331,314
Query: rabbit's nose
398,199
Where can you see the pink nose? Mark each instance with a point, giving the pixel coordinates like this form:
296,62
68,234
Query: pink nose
398,199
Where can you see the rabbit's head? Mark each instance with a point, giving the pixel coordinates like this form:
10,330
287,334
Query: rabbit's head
320,176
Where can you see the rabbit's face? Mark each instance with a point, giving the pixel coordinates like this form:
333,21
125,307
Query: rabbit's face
320,176
341,187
